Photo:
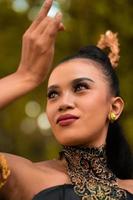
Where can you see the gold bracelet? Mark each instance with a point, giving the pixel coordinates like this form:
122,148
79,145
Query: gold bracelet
4,170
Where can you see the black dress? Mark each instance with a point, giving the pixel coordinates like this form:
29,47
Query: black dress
63,192
90,176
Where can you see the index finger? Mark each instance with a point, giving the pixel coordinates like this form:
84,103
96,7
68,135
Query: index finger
42,14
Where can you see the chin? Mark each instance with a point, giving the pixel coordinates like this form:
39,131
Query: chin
72,137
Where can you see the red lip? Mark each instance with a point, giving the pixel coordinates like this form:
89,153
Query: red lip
66,117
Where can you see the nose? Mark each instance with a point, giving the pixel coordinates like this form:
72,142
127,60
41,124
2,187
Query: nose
66,102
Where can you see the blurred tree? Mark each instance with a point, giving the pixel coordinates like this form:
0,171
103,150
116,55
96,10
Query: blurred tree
84,20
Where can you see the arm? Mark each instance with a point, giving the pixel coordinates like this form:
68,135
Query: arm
14,169
37,55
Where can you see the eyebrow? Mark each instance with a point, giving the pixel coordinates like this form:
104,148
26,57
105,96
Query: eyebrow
73,82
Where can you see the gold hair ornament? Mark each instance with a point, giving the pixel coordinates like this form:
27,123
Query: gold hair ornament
112,117
110,40
4,170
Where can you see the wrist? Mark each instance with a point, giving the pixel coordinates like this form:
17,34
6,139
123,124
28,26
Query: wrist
27,78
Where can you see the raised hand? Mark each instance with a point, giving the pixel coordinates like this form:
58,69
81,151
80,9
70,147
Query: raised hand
37,55
38,44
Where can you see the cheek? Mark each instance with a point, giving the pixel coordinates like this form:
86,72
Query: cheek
50,111
95,108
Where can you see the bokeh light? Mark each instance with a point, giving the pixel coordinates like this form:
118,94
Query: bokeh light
32,109
43,122
20,5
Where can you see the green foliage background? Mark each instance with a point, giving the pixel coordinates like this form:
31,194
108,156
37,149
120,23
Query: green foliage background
84,21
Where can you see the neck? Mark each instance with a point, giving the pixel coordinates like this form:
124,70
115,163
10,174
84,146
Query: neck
88,171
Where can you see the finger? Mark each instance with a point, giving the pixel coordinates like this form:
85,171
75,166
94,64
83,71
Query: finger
61,27
46,7
42,14
51,31
54,25
42,26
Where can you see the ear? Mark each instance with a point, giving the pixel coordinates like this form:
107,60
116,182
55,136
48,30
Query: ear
117,106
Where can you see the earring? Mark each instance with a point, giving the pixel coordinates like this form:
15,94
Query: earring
112,117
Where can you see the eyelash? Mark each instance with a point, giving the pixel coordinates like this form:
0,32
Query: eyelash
49,95
81,86
77,88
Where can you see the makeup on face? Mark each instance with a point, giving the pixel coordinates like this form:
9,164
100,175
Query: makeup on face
77,103
77,85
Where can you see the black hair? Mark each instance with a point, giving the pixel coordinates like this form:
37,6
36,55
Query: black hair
119,154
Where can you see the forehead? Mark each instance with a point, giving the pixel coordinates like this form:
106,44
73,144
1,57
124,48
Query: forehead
76,68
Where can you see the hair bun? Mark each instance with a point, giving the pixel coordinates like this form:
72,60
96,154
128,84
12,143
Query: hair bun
110,40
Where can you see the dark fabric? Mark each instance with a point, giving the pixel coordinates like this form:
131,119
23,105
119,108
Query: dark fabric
63,192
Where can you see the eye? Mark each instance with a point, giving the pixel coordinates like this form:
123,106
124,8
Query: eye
52,94
80,87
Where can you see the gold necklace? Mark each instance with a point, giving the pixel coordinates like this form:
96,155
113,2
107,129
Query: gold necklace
88,171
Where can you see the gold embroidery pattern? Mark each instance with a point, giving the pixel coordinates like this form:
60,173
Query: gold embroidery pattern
4,170
88,171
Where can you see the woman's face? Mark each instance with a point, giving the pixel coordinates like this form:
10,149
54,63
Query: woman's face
78,103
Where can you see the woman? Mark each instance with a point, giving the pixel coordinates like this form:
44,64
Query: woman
83,110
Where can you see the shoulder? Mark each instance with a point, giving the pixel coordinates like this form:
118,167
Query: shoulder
54,170
51,165
18,168
126,185
14,161
17,165
24,172
37,175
